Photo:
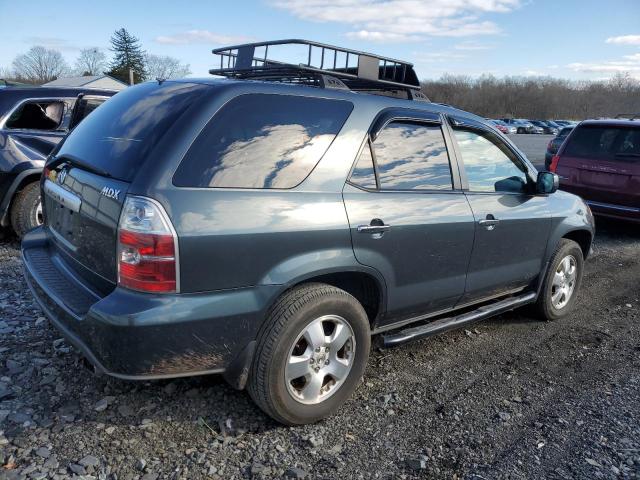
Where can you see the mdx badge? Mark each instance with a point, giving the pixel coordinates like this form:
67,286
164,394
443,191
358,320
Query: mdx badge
110,192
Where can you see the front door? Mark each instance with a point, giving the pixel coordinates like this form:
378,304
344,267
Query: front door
409,219
512,223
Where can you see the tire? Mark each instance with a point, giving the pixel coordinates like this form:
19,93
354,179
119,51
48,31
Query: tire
546,307
283,337
520,131
26,212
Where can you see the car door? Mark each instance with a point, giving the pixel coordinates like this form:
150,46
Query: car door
512,223
409,218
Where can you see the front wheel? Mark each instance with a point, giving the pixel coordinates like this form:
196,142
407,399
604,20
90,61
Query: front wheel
562,281
312,351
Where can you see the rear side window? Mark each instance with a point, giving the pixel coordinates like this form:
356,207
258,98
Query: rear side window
604,143
363,173
262,141
412,156
117,137
37,115
83,107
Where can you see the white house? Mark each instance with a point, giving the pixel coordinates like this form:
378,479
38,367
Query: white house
93,81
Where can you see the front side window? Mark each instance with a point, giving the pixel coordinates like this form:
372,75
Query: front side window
262,141
37,115
412,156
489,164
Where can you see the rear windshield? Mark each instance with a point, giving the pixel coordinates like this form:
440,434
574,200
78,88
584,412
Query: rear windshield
262,141
605,143
119,135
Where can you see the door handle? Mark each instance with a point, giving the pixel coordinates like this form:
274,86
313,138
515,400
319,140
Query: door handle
489,223
376,226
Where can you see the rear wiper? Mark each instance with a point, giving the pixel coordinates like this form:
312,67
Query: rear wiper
80,163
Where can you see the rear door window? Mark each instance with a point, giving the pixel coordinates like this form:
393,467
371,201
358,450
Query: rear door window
363,174
262,141
609,143
83,107
37,115
412,156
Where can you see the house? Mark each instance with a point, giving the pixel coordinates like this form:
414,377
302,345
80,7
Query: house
91,81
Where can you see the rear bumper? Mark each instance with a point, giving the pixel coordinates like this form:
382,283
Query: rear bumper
138,336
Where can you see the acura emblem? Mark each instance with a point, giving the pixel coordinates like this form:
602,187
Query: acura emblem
62,175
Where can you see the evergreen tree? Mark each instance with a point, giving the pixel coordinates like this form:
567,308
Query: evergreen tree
127,54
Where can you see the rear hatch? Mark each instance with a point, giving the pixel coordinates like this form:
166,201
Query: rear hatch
87,179
602,163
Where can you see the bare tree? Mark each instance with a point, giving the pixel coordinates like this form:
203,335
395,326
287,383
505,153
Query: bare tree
91,61
40,65
165,67
537,97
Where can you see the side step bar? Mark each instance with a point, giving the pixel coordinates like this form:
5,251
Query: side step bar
450,323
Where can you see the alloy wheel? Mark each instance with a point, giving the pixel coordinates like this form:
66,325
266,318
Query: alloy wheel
320,359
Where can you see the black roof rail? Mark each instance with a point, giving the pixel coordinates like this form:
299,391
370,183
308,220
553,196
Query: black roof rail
325,66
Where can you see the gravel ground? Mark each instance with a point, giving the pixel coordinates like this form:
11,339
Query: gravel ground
533,146
511,397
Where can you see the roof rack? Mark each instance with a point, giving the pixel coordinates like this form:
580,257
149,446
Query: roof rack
325,66
628,116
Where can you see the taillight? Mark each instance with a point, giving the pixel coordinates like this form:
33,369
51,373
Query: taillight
147,247
554,163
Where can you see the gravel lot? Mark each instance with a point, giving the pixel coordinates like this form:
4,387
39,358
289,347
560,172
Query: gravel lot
509,398
533,146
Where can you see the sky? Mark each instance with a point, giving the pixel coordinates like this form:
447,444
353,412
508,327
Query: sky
577,39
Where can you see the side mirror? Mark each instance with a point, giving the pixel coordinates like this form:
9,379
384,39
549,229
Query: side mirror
547,183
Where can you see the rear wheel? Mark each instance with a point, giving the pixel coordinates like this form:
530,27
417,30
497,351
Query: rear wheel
26,211
312,352
562,281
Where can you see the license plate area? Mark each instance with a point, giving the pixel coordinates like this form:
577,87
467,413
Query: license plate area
63,214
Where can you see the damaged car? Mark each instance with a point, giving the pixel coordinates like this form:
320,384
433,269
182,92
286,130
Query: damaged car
33,120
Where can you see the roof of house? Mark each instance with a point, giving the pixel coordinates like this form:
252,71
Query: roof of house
79,81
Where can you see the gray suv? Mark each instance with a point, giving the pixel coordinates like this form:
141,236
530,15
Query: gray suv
266,226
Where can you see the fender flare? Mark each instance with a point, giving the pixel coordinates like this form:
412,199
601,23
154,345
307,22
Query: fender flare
13,188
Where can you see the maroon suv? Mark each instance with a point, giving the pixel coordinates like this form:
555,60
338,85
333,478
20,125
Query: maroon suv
600,161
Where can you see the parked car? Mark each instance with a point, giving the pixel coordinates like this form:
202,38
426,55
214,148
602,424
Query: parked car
521,125
600,161
503,127
32,122
547,129
267,229
554,145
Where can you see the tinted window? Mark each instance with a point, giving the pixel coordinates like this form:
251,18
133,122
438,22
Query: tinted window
37,115
118,136
83,107
604,142
489,164
412,156
565,131
363,174
263,141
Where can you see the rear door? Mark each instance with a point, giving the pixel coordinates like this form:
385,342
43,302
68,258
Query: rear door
601,163
409,218
512,224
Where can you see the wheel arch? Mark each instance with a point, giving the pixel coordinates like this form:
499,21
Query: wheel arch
22,179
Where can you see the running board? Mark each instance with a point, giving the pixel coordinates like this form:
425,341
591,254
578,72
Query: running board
450,323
